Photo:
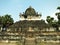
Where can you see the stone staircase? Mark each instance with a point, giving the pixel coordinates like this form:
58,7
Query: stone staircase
30,41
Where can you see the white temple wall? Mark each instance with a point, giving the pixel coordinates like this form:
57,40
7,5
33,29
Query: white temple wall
30,18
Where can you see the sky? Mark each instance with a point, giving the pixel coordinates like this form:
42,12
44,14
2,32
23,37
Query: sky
15,7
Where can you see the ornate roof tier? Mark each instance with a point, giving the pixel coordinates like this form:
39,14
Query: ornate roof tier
30,11
30,14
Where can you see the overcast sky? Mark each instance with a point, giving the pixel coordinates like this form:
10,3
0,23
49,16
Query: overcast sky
14,7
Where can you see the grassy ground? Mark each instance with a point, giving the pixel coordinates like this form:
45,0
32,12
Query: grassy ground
10,43
47,43
7,43
19,43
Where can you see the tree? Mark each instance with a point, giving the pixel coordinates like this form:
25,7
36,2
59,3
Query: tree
53,22
6,21
0,21
50,20
58,15
58,8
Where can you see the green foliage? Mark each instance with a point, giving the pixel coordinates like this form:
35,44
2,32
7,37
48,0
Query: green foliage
58,15
50,19
53,22
0,19
6,20
58,8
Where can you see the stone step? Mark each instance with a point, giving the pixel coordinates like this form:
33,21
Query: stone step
30,42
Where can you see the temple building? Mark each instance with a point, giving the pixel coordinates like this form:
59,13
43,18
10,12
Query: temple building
30,14
31,30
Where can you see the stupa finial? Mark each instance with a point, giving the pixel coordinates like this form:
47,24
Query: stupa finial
30,6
